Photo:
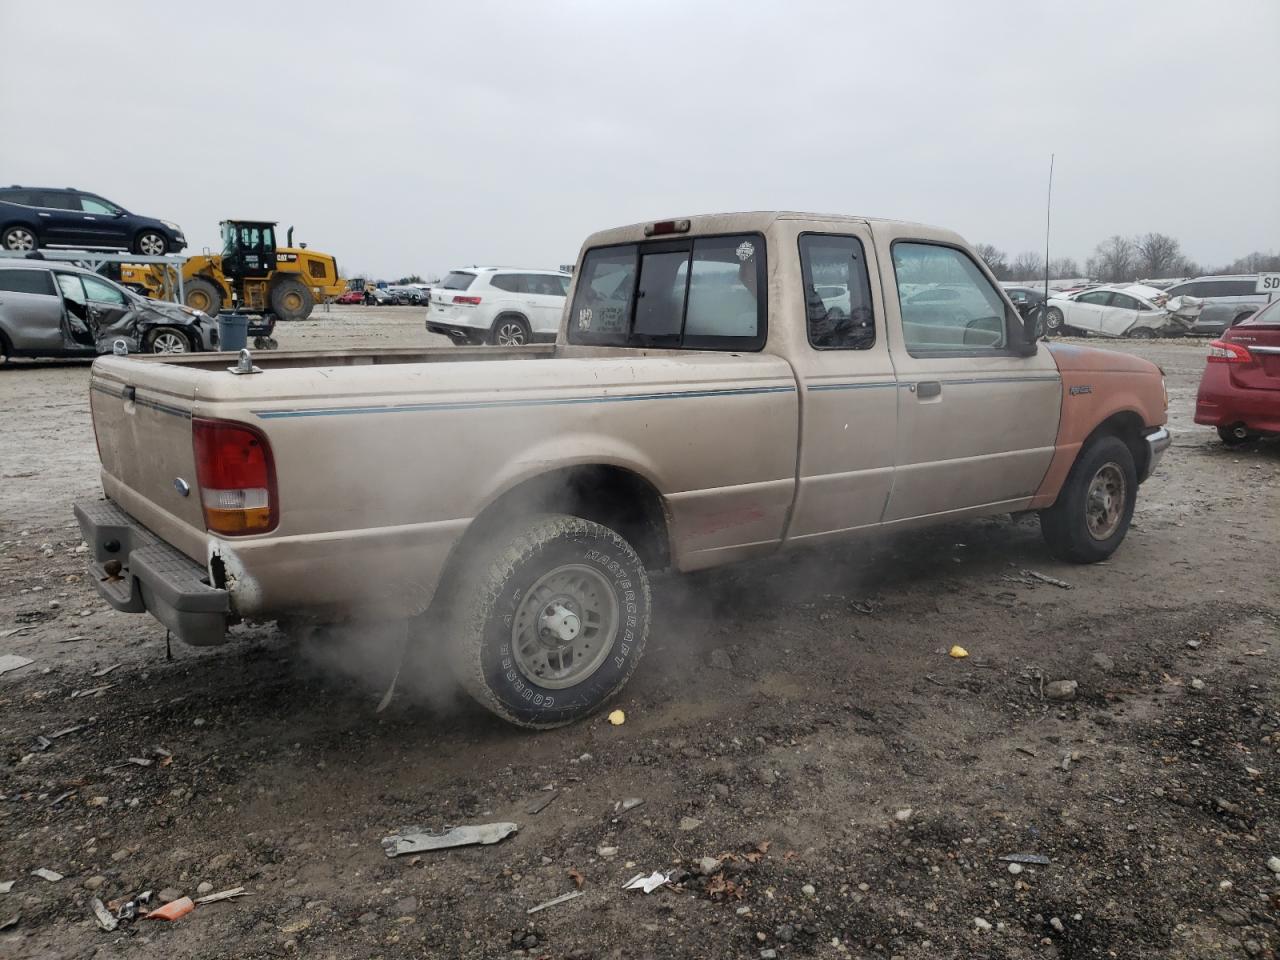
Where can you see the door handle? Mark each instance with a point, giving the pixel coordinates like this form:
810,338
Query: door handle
927,389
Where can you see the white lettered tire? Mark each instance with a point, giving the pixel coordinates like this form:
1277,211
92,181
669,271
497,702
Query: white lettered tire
549,620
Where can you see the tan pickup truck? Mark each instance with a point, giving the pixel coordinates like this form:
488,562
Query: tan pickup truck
723,387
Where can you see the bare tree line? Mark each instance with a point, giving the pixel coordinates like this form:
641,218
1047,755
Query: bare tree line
1120,258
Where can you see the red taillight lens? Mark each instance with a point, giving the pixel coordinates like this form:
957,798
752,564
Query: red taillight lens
1223,351
474,301
237,477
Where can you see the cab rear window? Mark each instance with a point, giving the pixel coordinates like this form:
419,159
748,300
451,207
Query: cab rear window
706,293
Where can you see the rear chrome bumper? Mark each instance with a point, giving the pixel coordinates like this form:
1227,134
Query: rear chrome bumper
1157,443
154,577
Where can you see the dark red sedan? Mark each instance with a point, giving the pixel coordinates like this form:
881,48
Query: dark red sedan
1240,390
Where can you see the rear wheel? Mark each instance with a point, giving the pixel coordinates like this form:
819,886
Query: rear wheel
167,340
511,331
201,294
291,299
151,243
1094,508
1236,434
549,620
20,239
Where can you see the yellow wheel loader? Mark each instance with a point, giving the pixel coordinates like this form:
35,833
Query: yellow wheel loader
251,275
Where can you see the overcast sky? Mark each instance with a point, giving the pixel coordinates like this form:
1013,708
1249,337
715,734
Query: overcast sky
417,137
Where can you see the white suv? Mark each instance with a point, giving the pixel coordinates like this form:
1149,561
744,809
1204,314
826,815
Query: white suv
502,305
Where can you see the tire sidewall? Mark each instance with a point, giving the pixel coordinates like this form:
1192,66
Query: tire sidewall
522,699
153,335
1054,321
35,237
164,242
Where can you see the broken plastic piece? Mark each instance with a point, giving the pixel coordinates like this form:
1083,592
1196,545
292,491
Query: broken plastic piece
555,900
1035,858
647,884
617,718
100,912
7,886
173,910
51,875
416,841
958,652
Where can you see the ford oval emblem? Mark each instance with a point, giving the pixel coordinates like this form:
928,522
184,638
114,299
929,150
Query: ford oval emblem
181,486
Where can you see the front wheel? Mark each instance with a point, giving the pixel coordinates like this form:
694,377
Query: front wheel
549,620
150,243
291,299
1053,324
167,340
1095,506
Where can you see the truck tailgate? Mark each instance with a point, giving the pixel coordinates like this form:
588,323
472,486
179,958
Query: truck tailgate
143,428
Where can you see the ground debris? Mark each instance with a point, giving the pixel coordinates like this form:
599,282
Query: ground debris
1037,859
416,841
648,883
51,875
554,901
100,912
538,804
11,661
231,894
174,910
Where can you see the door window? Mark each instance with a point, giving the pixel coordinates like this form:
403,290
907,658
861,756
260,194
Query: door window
1097,298
545,285
59,201
27,281
837,292
1125,302
24,197
94,205
69,284
99,291
948,305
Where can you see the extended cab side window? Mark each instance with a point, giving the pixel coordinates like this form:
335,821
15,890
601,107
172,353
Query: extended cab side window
948,305
837,292
707,293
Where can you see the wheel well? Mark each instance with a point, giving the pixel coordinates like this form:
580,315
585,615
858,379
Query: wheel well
609,495
1127,426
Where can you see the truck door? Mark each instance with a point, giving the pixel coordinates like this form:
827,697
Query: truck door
977,422
838,348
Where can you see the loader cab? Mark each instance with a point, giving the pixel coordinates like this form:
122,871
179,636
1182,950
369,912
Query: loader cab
248,249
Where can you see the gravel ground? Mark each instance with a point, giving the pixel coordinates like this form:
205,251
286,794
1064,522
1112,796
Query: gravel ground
820,776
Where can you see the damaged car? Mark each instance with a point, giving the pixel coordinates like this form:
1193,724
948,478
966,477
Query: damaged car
52,309
1136,311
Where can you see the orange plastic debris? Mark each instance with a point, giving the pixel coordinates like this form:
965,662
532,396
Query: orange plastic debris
173,910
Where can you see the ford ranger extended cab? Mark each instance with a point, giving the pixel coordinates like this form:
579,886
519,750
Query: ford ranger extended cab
722,387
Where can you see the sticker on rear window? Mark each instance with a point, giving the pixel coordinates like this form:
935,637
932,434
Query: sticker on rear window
584,318
746,250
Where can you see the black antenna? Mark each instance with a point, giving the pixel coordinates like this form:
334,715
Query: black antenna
1048,209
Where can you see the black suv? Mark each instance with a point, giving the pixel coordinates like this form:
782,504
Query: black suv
32,217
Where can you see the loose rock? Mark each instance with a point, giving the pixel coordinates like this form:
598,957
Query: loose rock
1061,689
981,924
690,823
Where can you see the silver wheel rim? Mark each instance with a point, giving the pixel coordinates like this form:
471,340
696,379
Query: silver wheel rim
168,343
565,626
1054,320
511,335
21,240
151,245
1104,503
